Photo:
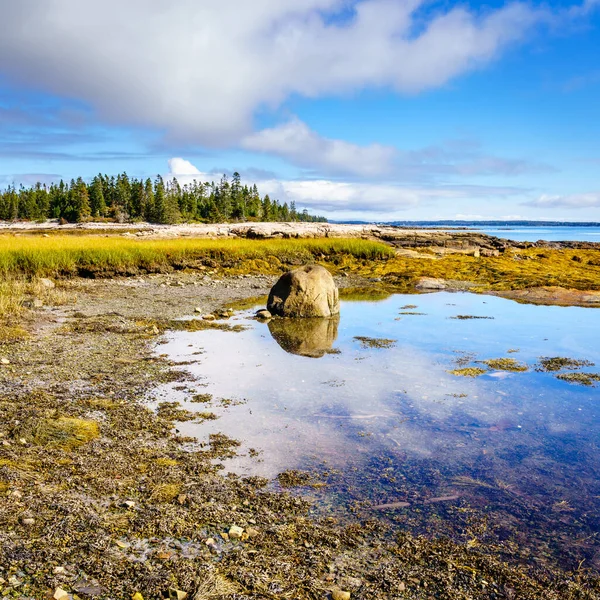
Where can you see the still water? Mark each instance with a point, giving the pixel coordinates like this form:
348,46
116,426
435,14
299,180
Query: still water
369,407
548,234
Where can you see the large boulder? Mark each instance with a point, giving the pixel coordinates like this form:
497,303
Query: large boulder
305,292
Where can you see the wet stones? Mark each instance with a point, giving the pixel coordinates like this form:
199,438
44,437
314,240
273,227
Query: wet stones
431,283
305,292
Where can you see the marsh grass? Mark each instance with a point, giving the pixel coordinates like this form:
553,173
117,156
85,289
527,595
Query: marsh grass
66,255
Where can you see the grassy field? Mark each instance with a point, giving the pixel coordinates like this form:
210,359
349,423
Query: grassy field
38,256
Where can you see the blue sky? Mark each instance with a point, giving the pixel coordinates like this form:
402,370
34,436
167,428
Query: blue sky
370,109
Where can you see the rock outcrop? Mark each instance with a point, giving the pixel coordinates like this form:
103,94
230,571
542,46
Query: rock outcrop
305,292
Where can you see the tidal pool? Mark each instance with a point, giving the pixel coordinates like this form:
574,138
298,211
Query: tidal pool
369,407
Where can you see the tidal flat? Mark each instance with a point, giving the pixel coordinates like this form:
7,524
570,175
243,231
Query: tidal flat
104,496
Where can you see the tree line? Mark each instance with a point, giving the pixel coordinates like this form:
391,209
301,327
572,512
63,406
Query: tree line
125,199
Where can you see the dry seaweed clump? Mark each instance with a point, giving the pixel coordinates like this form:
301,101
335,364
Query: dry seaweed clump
66,433
506,364
468,372
550,364
172,411
469,317
587,379
370,342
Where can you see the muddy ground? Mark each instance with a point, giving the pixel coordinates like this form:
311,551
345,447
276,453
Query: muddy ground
99,497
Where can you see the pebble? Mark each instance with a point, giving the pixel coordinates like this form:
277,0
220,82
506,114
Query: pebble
235,532
28,521
340,595
60,594
59,570
4,361
209,317
47,283
263,314
177,594
198,309
129,504
137,596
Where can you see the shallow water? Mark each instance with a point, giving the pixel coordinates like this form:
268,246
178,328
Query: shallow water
507,457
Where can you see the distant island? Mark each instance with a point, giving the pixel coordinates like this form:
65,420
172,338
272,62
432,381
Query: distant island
477,224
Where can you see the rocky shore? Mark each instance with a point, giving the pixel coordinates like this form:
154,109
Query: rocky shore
451,239
100,496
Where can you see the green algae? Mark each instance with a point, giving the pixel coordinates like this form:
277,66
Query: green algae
586,379
468,372
370,342
505,364
549,364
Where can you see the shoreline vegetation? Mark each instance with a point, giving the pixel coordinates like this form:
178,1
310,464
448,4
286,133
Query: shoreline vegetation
390,258
101,497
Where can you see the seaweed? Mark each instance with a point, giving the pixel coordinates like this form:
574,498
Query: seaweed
370,342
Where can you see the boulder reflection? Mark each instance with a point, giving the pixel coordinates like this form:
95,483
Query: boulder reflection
306,337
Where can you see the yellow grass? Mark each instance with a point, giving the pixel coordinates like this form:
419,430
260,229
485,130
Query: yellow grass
67,255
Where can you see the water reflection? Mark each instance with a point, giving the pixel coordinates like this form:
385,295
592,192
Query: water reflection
393,426
305,337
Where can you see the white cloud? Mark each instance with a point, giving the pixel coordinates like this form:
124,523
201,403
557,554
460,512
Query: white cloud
180,167
576,201
304,147
199,70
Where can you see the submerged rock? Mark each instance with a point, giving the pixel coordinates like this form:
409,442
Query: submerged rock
307,337
305,292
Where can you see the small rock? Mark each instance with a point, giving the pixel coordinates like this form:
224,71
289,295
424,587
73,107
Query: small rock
28,521
59,570
4,361
252,532
209,317
198,309
431,283
47,283
210,542
263,314
129,504
235,532
60,594
225,536
137,596
37,303
177,594
340,595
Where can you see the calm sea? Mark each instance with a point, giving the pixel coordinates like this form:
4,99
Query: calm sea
550,234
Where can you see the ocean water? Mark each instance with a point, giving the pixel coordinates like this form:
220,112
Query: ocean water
370,408
549,234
